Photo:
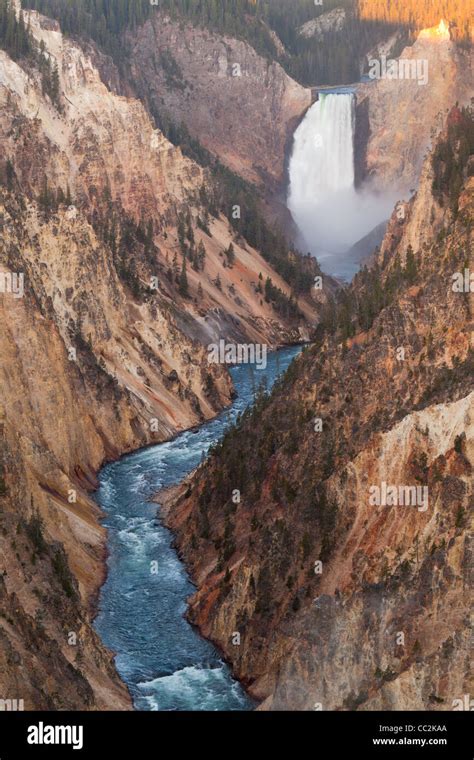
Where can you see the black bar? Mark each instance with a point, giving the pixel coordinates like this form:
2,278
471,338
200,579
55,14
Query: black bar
137,735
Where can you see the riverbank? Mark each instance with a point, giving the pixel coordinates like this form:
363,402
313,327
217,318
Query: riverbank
141,613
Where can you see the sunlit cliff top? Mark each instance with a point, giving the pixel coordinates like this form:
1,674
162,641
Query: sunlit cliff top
440,32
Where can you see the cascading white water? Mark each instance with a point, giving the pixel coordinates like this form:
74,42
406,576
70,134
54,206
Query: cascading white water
328,211
323,155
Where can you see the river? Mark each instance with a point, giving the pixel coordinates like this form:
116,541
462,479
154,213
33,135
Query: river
163,660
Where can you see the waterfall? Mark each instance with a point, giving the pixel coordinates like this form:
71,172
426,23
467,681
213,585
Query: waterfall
323,156
330,214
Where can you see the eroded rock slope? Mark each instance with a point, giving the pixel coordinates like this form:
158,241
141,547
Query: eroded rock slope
323,593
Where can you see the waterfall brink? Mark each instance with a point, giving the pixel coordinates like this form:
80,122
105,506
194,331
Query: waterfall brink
330,215
323,154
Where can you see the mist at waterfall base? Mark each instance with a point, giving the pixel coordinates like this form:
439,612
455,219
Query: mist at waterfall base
331,215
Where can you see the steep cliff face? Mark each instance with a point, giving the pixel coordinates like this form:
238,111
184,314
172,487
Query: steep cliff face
105,350
399,115
105,150
239,106
87,373
323,592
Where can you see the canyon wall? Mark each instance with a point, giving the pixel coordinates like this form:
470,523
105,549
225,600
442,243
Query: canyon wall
398,117
320,597
241,107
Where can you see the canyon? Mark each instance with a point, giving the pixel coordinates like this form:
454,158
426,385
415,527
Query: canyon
188,75
131,269
218,108
340,604
95,362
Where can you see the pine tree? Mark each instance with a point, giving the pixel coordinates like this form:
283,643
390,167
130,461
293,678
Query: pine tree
10,174
44,199
410,266
181,231
183,281
190,231
268,289
175,267
201,254
230,253
55,87
149,234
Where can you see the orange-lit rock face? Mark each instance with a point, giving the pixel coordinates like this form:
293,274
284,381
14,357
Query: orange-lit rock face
421,14
402,114
440,32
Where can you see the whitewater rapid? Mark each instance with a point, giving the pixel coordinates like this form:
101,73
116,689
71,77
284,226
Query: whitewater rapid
165,663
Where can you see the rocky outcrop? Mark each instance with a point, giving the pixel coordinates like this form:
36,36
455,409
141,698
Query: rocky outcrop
241,107
403,114
332,21
323,592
